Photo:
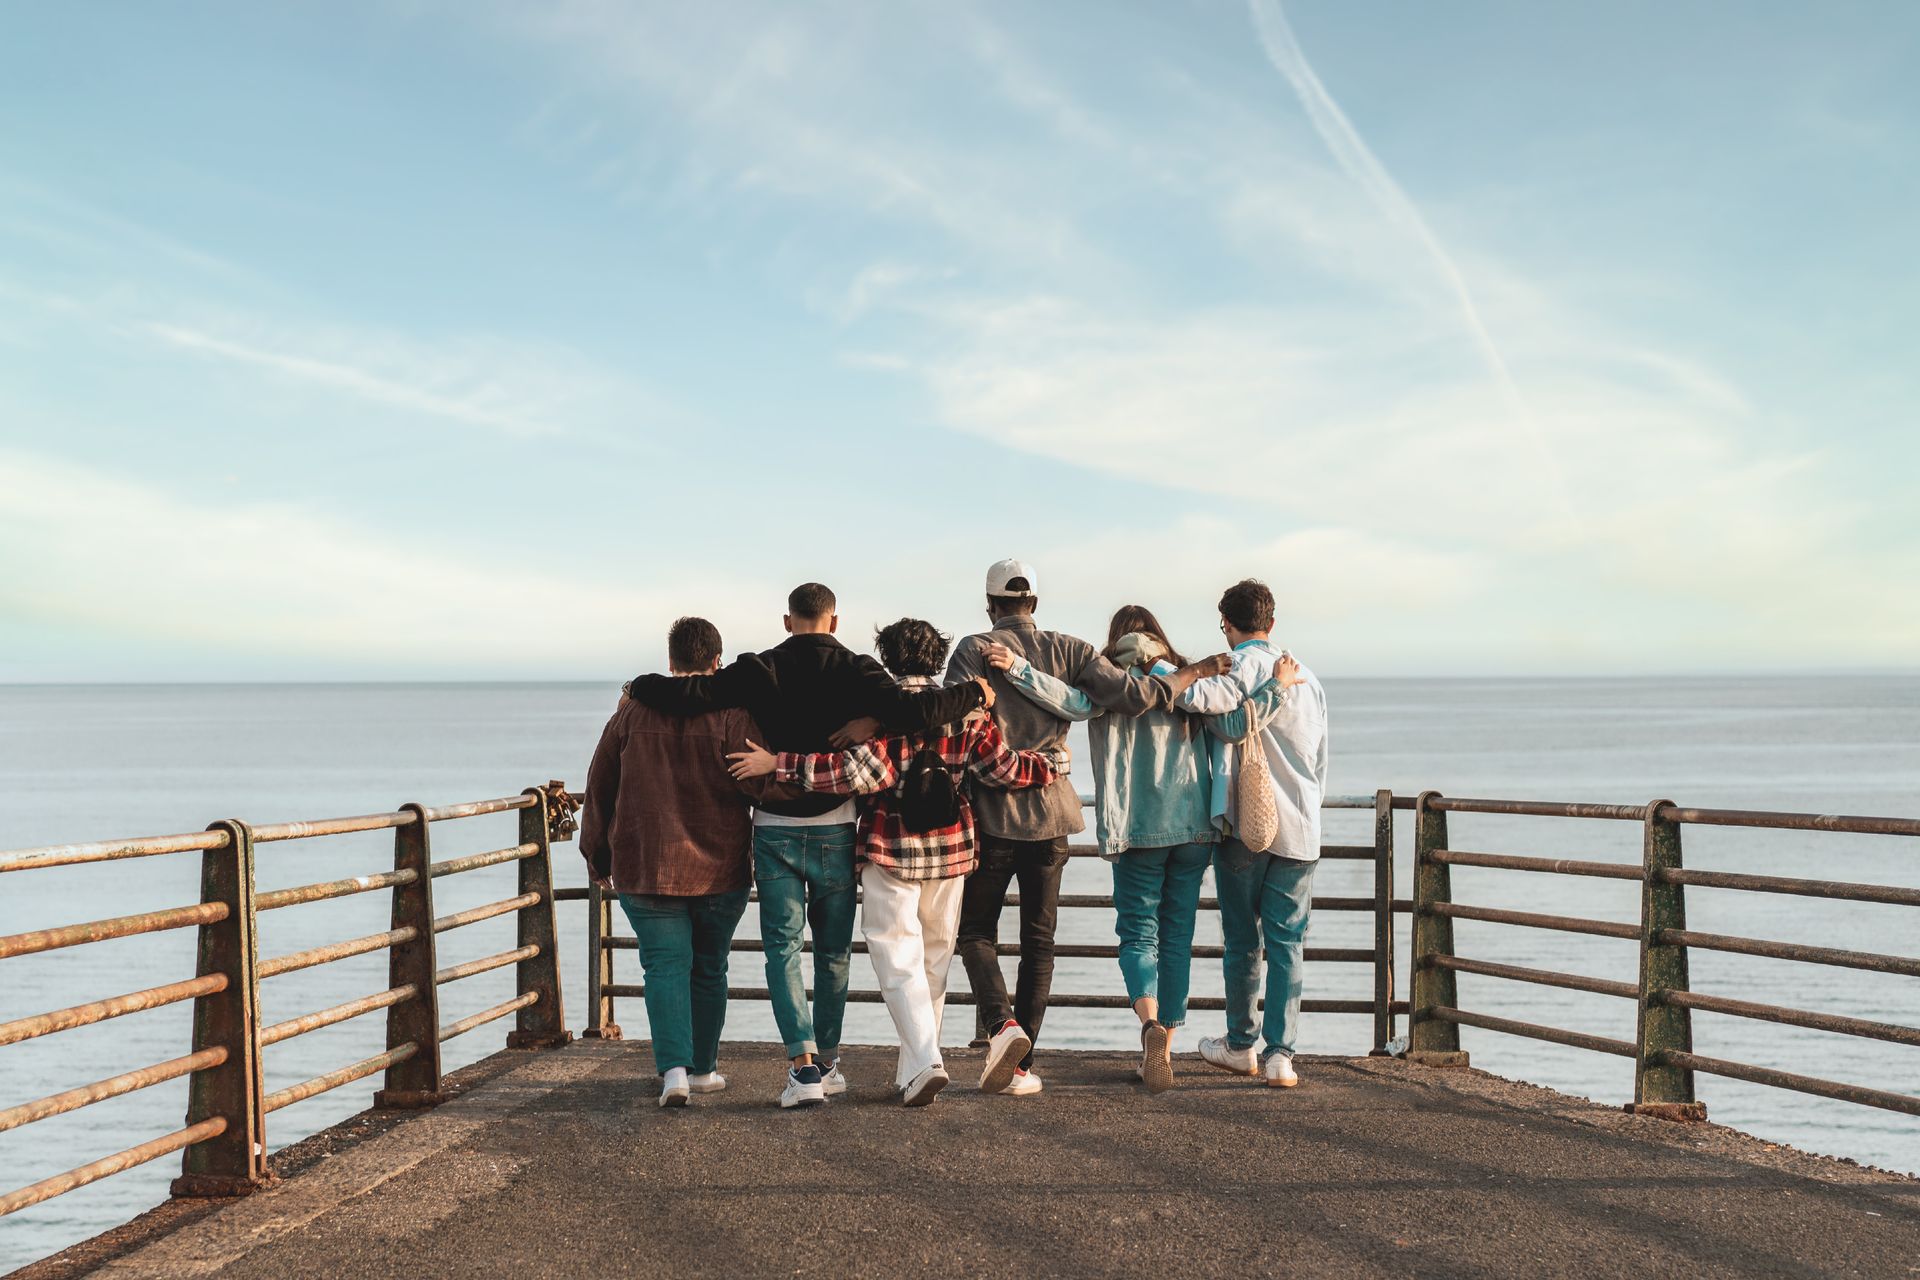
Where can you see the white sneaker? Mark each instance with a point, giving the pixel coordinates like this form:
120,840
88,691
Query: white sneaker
803,1087
1242,1062
707,1082
922,1088
832,1083
673,1089
1004,1051
1277,1071
1022,1084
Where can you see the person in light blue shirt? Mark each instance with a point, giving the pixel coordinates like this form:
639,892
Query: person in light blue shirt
1268,712
1152,814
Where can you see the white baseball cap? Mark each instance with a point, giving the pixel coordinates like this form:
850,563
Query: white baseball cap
1001,572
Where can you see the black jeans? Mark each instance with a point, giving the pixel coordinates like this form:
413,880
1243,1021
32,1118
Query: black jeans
1037,866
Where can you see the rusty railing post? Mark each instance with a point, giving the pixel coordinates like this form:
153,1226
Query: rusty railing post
414,1082
1660,1089
1382,921
234,1162
1431,1042
600,1023
544,1022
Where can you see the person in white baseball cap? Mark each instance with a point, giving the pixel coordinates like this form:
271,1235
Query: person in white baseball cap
1023,834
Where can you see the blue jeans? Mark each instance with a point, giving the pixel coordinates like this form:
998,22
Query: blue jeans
806,878
1263,900
1156,893
683,949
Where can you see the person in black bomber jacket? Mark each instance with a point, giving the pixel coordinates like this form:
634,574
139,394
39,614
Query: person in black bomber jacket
799,693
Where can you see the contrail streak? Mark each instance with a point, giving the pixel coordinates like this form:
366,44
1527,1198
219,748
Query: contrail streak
1354,157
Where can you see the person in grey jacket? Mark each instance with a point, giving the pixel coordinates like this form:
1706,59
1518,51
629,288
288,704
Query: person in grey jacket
1023,834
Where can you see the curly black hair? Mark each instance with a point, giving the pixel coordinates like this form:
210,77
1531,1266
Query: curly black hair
911,647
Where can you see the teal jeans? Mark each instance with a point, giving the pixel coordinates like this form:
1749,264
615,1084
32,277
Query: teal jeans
806,879
1264,904
683,951
1156,893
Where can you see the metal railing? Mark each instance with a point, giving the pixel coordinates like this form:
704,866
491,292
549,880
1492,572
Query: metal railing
1380,904
1662,1049
224,1138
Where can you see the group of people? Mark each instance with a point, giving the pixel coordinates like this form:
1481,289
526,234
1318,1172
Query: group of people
934,785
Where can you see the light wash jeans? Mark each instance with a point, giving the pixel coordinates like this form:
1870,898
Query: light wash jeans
1264,902
909,926
1156,893
805,876
683,950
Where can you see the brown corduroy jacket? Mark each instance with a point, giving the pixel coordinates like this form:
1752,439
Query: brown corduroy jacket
662,814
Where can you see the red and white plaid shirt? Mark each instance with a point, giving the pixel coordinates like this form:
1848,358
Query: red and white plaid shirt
972,748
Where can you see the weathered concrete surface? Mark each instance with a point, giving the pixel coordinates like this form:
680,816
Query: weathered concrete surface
561,1164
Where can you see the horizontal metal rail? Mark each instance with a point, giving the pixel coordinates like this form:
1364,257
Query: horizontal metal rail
1534,1031
112,1087
1800,1084
81,1015
1845,890
1062,951
73,935
1792,821
476,808
474,915
131,1158
1834,1022
338,1013
1534,920
1552,866
1791,951
274,899
330,826
1542,977
473,861
485,1016
334,1079
485,964
297,960
1058,1000
1540,809
67,855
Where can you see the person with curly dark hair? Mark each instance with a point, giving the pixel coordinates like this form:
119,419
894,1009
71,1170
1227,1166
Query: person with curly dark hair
914,862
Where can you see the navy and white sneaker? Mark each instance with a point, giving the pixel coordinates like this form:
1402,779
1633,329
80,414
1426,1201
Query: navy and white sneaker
803,1087
832,1083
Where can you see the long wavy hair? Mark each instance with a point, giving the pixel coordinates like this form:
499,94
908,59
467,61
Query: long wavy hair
1130,618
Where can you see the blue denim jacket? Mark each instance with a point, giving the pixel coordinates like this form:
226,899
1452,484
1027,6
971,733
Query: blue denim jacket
1150,772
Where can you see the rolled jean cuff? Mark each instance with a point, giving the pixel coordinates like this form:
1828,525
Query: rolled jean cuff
799,1047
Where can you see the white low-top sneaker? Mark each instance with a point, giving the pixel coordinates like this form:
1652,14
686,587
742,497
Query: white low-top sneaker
673,1088
1004,1052
1277,1071
803,1088
1216,1051
923,1088
832,1083
707,1082
1022,1084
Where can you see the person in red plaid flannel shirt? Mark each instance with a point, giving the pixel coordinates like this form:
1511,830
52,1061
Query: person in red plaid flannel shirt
911,879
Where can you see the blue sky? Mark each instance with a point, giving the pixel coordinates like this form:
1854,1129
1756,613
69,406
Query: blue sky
475,340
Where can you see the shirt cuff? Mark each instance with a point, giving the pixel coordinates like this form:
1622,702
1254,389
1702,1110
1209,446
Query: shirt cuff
786,766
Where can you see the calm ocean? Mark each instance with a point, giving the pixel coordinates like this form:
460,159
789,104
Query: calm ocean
86,762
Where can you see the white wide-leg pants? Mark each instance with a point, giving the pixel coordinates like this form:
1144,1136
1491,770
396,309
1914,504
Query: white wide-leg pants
909,926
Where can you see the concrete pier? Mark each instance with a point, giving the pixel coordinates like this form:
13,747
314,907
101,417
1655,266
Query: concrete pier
558,1163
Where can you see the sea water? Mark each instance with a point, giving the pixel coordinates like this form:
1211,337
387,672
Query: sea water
92,762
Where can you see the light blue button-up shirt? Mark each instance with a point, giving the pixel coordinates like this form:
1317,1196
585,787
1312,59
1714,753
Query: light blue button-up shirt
1292,732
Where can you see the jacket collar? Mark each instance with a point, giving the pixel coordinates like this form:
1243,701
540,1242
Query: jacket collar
812,640
1017,622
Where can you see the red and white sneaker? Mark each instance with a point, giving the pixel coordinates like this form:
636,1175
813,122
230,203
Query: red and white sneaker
1004,1052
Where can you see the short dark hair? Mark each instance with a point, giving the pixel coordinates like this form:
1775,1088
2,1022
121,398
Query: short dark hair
1248,606
692,644
911,647
811,600
1007,606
